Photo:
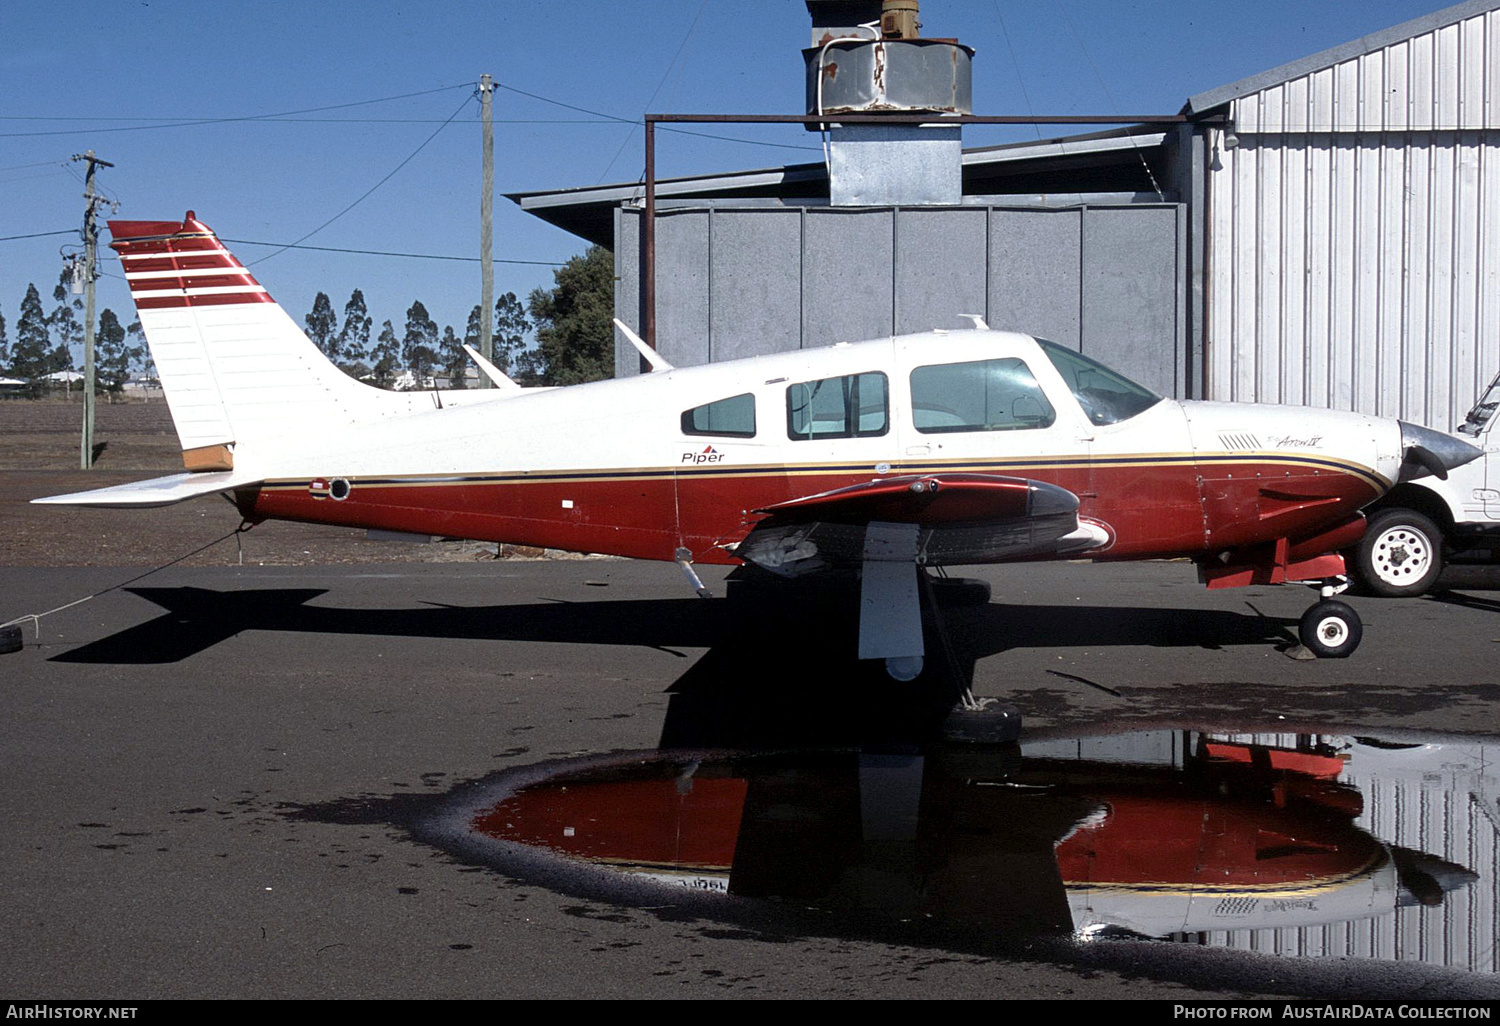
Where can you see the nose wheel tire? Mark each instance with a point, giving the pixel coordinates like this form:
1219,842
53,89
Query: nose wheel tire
1401,554
1330,630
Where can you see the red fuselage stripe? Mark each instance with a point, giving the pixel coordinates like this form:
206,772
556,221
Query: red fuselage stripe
1153,510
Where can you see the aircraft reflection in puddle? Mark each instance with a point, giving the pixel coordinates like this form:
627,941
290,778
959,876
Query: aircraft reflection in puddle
1170,834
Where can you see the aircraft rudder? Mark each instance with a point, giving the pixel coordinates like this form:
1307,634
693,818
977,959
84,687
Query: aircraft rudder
234,366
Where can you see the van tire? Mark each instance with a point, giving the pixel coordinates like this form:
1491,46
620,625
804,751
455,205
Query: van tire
1401,554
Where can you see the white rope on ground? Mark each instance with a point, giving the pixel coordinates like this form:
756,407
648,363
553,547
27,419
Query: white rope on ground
36,618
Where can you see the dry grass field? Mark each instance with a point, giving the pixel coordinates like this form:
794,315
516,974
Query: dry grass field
39,443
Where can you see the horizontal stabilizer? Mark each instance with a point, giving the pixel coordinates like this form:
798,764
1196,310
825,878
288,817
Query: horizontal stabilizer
158,491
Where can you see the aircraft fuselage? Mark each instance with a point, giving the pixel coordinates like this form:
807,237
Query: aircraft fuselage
646,466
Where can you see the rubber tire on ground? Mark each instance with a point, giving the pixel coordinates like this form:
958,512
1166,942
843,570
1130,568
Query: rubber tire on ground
1401,554
1330,629
10,639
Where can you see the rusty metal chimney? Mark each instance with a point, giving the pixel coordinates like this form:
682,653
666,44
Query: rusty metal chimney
867,57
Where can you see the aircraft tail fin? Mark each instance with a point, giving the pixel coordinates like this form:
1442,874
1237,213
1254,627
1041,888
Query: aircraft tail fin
235,367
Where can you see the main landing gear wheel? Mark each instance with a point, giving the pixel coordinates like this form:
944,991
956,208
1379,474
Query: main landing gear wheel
1330,630
1401,554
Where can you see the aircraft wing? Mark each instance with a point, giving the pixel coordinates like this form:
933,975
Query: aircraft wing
158,491
892,526
952,519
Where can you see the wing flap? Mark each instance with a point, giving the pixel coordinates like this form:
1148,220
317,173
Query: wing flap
158,491
930,500
961,518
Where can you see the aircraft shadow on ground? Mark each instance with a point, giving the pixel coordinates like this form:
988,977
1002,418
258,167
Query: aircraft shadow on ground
779,624
780,666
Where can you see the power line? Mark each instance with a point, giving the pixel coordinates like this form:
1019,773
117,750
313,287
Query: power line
736,139
38,235
381,252
660,127
274,119
41,163
248,117
1150,175
290,117
372,188
1021,81
665,75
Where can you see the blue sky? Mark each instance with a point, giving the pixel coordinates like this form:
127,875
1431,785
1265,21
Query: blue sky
112,76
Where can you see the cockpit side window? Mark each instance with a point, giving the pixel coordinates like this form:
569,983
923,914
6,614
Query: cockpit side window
852,406
985,395
731,418
1107,397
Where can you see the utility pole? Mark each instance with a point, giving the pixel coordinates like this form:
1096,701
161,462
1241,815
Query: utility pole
90,262
487,228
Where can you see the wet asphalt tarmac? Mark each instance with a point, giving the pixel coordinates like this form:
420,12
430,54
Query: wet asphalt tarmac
210,776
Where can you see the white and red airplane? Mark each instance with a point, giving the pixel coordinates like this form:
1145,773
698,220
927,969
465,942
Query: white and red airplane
936,449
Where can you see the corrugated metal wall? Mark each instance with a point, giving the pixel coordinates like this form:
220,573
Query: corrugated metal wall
1354,233
739,281
1434,799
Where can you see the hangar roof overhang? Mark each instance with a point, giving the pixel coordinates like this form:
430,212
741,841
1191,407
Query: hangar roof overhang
1111,162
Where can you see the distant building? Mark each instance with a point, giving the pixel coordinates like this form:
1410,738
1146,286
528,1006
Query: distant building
1326,233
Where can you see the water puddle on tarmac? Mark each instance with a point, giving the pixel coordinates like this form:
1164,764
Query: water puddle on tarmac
1307,845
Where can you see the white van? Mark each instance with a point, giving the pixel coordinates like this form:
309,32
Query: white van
1418,525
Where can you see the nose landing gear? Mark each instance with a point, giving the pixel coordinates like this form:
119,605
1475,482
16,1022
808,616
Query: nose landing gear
1330,629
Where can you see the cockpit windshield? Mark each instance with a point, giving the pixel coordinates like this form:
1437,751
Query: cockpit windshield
1107,397
1483,410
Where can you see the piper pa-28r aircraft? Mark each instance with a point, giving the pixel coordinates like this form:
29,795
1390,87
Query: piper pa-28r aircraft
929,450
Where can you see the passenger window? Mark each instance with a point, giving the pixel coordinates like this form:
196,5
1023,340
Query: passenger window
987,395
852,406
733,418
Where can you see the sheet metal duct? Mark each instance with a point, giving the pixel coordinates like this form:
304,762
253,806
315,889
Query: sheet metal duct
896,75
874,67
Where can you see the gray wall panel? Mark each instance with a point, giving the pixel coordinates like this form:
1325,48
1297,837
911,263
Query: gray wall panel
756,282
736,282
940,267
627,287
1034,272
847,265
1130,314
682,311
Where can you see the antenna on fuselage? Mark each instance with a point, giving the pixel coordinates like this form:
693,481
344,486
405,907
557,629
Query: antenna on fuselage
650,355
977,321
495,374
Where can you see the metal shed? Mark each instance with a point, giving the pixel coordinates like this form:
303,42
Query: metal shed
1353,223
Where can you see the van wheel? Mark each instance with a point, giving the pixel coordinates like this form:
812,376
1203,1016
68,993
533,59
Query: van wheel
1401,554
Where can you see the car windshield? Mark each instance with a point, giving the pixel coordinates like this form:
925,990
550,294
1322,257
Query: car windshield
1483,410
1107,397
